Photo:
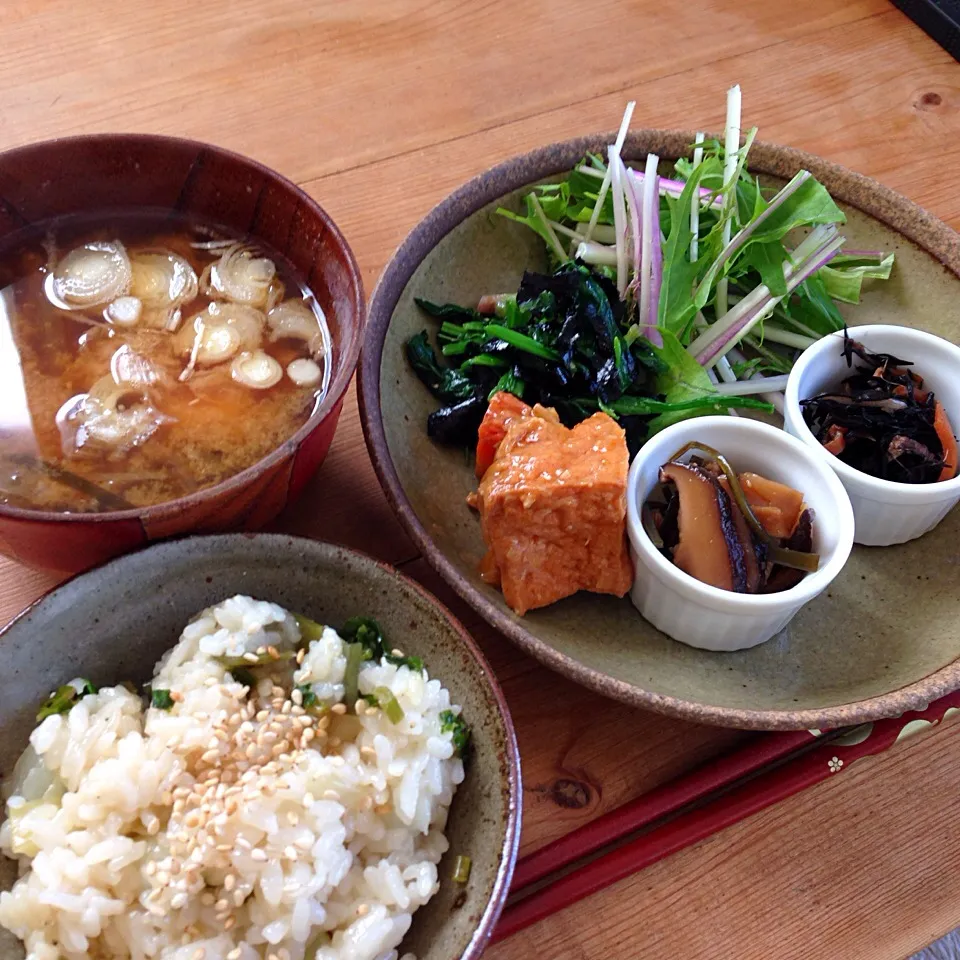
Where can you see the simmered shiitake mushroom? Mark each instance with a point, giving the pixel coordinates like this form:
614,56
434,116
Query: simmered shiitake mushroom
741,533
708,544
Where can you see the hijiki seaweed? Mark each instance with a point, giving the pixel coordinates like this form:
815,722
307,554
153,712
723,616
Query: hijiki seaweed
882,421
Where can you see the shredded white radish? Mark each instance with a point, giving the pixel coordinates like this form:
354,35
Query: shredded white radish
605,186
695,207
651,202
743,388
619,217
731,145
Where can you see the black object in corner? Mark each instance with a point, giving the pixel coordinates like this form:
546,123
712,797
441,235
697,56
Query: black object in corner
938,18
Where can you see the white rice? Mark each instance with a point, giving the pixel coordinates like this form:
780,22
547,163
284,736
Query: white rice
235,825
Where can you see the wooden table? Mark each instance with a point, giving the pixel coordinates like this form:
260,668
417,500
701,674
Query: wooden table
379,109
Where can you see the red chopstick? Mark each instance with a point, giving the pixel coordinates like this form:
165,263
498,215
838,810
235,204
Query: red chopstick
810,766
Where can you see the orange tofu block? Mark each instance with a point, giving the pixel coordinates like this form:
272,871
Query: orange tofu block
553,510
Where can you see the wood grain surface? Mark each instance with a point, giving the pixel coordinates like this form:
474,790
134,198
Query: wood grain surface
379,109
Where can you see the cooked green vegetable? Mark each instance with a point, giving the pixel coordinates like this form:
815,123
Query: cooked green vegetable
383,698
240,675
445,383
414,663
351,674
365,631
309,698
451,722
461,869
565,341
253,660
366,642
161,699
65,697
310,630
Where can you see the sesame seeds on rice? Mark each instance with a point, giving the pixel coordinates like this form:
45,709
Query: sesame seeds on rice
239,824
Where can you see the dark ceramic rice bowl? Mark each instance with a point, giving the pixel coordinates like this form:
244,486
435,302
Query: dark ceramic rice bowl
113,623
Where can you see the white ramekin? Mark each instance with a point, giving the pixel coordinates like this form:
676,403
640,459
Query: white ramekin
704,616
884,512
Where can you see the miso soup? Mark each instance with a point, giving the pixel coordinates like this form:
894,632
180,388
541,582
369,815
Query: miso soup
144,357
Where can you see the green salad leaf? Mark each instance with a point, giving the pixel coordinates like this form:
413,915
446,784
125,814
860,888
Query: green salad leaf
676,308
843,279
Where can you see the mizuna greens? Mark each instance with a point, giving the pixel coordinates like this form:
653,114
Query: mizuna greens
667,297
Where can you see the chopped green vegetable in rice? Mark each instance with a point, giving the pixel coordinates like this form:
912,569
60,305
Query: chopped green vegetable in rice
161,699
451,722
63,698
310,630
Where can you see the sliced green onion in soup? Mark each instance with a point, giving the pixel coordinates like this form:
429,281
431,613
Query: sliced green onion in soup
257,370
241,276
304,372
89,275
124,311
294,320
161,279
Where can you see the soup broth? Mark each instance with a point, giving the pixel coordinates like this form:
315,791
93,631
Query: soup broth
145,357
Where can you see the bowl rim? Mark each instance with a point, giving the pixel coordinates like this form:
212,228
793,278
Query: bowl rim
339,382
512,773
882,203
905,495
745,604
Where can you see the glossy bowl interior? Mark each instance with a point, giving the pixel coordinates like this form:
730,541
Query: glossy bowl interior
114,622
886,513
848,656
703,615
105,172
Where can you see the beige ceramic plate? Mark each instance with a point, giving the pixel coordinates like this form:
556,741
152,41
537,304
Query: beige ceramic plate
884,639
113,623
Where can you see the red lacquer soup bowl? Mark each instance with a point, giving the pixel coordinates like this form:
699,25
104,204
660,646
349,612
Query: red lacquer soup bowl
114,172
